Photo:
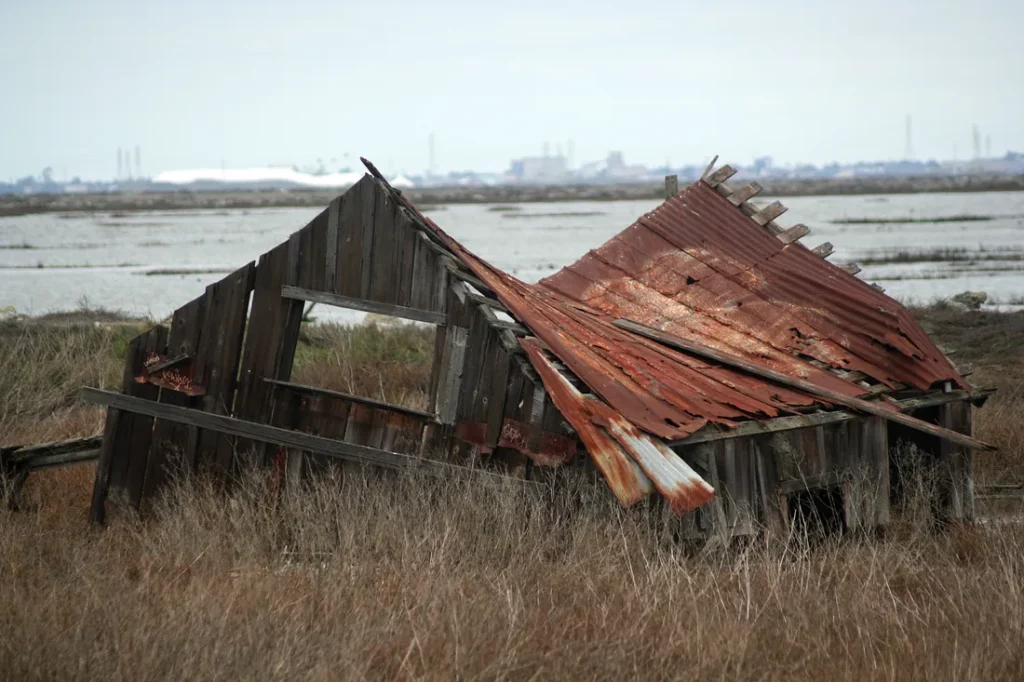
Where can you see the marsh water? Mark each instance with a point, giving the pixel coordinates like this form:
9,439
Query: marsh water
919,247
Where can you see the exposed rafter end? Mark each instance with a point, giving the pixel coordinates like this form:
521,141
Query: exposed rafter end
794,233
879,289
823,250
743,193
719,176
707,169
851,268
769,213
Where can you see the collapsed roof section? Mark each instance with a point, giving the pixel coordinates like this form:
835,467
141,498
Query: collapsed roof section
702,269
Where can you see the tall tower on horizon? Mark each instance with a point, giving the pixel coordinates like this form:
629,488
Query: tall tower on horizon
977,142
908,150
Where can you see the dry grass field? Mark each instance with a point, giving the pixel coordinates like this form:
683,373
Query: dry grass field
398,578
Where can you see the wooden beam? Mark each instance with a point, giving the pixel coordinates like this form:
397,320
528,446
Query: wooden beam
337,300
484,300
769,213
378,404
713,432
719,176
744,193
331,255
823,250
851,268
707,168
671,186
857,404
271,434
466,277
62,459
794,233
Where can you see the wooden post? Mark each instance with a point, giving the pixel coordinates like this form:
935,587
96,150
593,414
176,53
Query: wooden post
671,186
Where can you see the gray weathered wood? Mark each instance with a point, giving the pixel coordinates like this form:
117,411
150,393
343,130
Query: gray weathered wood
851,268
803,421
823,250
719,176
272,434
340,301
794,233
671,186
745,193
451,374
331,246
379,404
769,213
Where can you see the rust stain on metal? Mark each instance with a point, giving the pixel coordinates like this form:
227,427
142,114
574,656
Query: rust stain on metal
174,376
629,459
554,450
699,269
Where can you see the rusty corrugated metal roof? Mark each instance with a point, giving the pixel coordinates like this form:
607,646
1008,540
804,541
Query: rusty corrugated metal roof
700,269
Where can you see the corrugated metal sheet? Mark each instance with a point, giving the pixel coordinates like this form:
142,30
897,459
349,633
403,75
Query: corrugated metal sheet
698,268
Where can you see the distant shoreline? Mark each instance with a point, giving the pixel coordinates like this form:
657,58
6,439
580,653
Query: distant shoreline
17,204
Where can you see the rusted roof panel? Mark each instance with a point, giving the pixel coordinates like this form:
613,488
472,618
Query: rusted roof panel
699,269
618,447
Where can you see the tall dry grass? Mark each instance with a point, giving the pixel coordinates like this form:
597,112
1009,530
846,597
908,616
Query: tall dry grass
369,579
391,577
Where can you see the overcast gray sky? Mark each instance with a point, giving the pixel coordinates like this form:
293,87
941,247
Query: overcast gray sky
254,83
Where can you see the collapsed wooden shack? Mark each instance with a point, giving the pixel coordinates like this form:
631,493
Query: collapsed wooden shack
703,354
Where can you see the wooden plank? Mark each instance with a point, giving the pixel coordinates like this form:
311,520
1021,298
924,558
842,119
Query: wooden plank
269,312
337,300
769,213
61,459
350,237
778,424
369,201
451,373
496,399
435,368
476,346
719,176
378,404
385,245
408,240
876,446
360,422
421,293
800,384
167,452
823,250
851,268
221,349
671,186
237,427
315,260
955,481
794,233
745,193
140,440
331,246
